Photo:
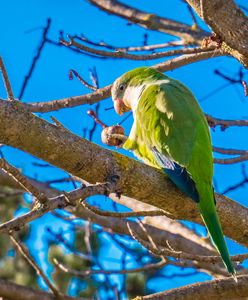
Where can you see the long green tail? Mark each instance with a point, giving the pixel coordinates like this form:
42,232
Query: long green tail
211,220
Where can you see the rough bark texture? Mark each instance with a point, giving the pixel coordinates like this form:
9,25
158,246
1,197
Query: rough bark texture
13,291
229,22
21,129
214,290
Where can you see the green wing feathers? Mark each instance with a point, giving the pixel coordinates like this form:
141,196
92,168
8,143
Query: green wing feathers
169,119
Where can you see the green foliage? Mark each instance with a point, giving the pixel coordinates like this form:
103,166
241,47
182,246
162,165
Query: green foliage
75,262
136,285
13,265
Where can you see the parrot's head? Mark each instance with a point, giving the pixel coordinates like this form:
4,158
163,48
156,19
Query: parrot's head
119,95
127,89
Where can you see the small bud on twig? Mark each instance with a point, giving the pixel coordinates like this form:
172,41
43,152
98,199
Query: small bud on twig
111,135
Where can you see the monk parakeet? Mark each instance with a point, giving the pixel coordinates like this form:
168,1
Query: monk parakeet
170,132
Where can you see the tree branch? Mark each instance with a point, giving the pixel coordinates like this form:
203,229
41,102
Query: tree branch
227,21
215,289
13,291
6,80
120,54
151,21
38,270
105,92
86,160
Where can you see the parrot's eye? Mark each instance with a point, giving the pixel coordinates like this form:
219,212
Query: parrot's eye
122,87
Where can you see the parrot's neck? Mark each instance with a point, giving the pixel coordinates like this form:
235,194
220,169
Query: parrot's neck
133,93
132,96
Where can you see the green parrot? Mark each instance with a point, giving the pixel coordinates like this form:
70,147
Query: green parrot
170,132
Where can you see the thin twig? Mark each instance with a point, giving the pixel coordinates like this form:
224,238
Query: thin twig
213,122
36,57
31,261
234,160
126,55
6,81
85,273
179,254
229,151
22,180
60,201
85,83
105,92
151,21
148,213
130,48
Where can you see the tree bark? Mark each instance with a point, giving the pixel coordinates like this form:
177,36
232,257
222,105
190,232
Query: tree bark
228,21
215,290
21,129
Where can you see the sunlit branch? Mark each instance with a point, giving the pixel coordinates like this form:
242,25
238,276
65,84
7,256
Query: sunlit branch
120,54
105,92
180,254
148,213
6,80
151,21
86,273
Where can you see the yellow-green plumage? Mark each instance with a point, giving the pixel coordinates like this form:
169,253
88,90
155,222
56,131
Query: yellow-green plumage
170,131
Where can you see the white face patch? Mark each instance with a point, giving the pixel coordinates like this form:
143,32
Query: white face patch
132,93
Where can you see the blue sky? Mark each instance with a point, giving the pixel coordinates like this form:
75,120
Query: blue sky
21,26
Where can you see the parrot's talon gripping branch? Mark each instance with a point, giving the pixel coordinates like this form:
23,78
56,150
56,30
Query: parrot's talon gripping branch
111,135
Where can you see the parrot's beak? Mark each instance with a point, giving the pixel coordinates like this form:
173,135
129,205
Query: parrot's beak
120,106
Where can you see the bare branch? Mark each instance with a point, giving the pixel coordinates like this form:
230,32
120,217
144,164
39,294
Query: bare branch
22,180
227,21
131,48
104,93
234,160
87,273
36,57
213,122
85,83
180,254
87,160
31,261
151,21
150,213
6,80
60,201
13,291
126,55
221,289
229,151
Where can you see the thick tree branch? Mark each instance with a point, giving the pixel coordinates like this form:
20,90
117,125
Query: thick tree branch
6,80
215,289
161,229
95,164
151,21
227,21
13,291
